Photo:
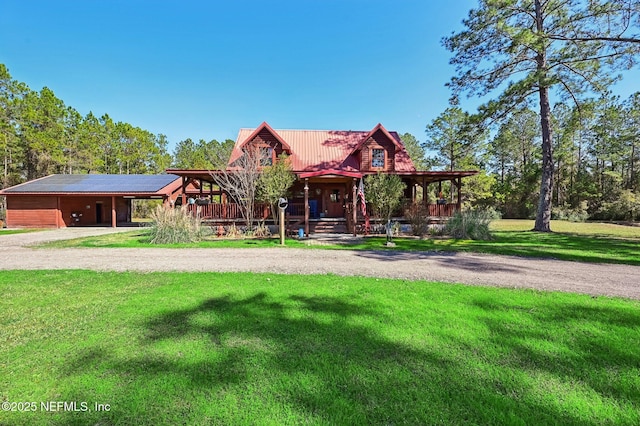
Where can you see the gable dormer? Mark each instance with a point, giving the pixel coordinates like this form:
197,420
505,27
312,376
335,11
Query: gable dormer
265,139
377,151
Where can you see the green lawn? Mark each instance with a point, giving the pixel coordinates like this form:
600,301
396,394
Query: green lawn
207,348
584,242
5,231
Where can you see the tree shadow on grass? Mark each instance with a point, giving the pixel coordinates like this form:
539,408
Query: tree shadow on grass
446,259
563,246
594,249
306,359
595,346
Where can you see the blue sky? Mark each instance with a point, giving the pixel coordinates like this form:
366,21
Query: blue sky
204,69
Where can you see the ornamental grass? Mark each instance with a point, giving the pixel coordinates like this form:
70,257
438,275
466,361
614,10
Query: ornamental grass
175,225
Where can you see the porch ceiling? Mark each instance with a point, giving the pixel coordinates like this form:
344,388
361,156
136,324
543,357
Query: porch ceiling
436,176
418,176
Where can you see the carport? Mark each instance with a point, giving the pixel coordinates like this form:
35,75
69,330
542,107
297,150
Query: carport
59,201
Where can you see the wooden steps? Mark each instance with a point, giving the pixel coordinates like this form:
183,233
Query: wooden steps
328,226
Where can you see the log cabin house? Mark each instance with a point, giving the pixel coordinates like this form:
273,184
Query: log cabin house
328,166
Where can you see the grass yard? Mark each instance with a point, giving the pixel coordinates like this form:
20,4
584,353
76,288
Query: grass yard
5,231
583,242
140,238
203,348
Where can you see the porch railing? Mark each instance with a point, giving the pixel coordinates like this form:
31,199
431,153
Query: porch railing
442,210
227,211
296,209
232,211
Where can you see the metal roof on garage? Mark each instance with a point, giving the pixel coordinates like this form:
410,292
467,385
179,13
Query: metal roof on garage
92,184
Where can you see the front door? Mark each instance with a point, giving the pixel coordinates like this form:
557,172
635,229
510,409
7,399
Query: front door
334,201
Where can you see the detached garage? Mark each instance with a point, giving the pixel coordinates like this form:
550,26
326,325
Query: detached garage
58,201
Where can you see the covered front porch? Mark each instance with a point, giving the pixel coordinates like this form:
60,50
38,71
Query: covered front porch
324,201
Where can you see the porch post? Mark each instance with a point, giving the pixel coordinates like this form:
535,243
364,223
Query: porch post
223,202
425,202
306,207
459,187
184,190
113,212
452,183
354,202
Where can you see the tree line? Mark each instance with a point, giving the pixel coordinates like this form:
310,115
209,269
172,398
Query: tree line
41,135
527,51
596,162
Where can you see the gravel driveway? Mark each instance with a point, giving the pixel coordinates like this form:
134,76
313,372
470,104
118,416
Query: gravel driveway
468,268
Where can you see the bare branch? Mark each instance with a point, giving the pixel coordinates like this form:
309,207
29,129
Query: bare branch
594,38
570,92
240,181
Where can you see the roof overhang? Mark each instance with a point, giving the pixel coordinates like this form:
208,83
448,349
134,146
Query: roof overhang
89,194
384,131
329,173
265,126
428,176
199,174
437,175
237,150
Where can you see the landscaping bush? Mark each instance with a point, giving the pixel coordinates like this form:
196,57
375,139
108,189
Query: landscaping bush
625,207
170,226
492,213
261,231
232,231
143,209
469,225
565,212
418,217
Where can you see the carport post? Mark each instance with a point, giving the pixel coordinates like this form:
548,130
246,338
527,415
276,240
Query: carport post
113,211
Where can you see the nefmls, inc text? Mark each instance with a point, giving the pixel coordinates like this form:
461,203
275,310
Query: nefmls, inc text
73,406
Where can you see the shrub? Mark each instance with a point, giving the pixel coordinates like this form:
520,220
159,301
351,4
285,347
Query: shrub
175,225
143,209
261,231
625,207
469,225
418,217
565,212
232,231
492,213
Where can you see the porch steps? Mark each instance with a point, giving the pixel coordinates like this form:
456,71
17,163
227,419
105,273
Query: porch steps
328,226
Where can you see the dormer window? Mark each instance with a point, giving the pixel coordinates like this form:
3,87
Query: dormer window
266,156
377,157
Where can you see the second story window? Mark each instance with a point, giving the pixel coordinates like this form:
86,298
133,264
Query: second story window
266,156
377,158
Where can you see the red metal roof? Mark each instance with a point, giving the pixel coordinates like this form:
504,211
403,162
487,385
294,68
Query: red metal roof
397,142
319,150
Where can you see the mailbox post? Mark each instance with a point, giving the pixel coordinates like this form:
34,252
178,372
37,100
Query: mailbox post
282,205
